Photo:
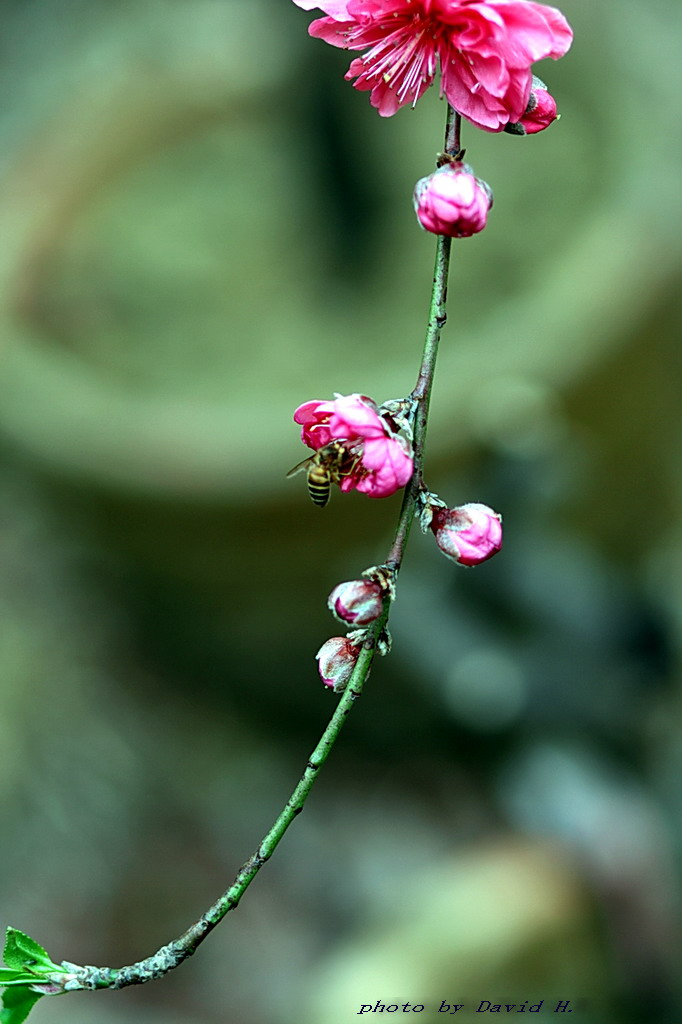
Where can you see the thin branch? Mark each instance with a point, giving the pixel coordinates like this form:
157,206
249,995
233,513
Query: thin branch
173,954
73,977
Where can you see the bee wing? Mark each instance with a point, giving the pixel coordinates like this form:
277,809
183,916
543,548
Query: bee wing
301,466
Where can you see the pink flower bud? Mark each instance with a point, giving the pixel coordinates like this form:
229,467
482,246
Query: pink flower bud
335,661
469,534
451,201
539,114
358,602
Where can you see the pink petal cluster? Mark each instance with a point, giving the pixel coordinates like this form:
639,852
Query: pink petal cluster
451,201
484,48
469,534
336,660
384,461
357,602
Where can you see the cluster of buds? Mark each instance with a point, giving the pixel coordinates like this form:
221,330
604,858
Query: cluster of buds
485,52
357,603
469,534
375,446
453,201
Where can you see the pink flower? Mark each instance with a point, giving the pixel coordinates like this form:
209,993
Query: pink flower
485,49
379,461
469,534
335,662
540,113
451,201
358,602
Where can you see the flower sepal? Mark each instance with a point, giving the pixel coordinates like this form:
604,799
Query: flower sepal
400,413
427,503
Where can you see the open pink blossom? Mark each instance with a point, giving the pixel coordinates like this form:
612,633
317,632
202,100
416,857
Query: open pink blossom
484,48
379,461
451,201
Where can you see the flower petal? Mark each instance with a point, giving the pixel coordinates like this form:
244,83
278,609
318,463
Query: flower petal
388,467
337,9
314,419
355,417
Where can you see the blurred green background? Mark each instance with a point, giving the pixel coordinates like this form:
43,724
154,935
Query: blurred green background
202,227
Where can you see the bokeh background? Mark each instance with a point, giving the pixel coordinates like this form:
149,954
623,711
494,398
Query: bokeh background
202,227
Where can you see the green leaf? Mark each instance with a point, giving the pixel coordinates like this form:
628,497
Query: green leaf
17,1004
22,952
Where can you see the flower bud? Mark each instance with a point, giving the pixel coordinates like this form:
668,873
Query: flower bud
451,201
358,602
469,534
539,114
335,661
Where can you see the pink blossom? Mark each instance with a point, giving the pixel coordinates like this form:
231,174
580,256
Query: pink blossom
540,113
336,660
379,460
451,201
485,49
358,602
469,534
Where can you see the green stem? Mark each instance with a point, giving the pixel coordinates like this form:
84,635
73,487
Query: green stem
422,390
173,954
73,976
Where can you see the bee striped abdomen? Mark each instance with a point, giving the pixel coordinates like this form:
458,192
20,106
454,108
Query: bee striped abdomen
319,485
329,465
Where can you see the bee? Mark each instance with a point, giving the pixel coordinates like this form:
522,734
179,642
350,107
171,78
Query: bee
327,466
